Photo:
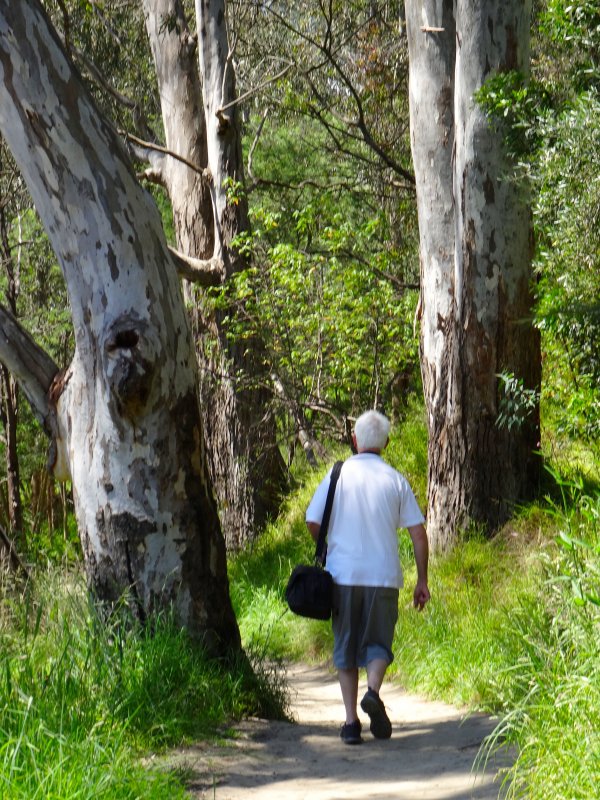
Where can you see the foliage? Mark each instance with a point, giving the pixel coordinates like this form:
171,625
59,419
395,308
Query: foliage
551,124
568,312
336,324
335,239
346,70
568,52
516,403
81,695
550,694
512,102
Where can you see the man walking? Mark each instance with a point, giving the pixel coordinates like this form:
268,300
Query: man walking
372,500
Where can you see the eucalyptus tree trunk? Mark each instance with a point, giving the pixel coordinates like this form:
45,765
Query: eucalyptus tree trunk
197,84
476,249
124,416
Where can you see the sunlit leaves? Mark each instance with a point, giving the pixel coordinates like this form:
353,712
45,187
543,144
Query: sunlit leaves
336,328
568,219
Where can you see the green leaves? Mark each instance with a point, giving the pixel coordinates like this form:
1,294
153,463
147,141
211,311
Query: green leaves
513,103
568,261
516,403
336,328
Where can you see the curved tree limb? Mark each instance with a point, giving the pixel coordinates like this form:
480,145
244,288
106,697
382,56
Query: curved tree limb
32,367
204,272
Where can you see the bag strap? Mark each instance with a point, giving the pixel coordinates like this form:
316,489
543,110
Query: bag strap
321,550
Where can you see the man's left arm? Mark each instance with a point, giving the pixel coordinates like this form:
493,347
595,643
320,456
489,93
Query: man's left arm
418,535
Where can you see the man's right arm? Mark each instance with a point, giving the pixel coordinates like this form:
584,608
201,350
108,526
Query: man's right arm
418,534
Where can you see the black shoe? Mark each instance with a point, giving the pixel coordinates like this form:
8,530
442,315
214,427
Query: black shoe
381,727
350,733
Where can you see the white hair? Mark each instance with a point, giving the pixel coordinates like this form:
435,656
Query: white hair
371,430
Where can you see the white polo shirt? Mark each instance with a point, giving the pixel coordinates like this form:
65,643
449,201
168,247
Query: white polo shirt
372,500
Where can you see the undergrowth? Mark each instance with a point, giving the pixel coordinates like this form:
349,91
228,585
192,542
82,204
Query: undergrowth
83,696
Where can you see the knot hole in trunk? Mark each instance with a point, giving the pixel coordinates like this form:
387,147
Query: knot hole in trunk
130,365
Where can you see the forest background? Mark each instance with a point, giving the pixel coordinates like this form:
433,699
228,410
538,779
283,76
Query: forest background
334,231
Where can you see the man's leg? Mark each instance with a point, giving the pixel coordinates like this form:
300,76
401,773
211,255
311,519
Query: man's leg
381,727
375,673
378,637
348,679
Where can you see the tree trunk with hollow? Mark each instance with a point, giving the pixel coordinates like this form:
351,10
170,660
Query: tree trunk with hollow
125,416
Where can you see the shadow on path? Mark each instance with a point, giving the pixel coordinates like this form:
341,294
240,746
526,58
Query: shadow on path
429,757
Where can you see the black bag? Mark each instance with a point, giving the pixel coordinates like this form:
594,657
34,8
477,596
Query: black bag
308,592
309,589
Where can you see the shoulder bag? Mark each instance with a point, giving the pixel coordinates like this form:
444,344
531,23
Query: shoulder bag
309,589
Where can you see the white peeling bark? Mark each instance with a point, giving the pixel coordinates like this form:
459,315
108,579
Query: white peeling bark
475,230
239,432
222,123
129,408
175,55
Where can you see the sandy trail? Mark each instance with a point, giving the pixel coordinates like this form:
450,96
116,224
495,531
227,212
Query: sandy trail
429,757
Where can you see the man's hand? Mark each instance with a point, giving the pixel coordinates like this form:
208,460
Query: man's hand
421,595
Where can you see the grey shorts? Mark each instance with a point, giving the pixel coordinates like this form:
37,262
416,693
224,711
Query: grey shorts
363,622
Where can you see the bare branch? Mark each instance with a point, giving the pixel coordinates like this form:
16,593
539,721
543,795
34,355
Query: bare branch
255,89
129,137
101,81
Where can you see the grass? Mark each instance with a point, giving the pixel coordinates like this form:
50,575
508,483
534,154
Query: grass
83,697
550,693
257,584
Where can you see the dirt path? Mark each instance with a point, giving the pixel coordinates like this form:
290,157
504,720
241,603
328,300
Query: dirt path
429,757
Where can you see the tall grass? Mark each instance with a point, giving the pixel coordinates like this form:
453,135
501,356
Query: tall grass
550,694
257,584
81,697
